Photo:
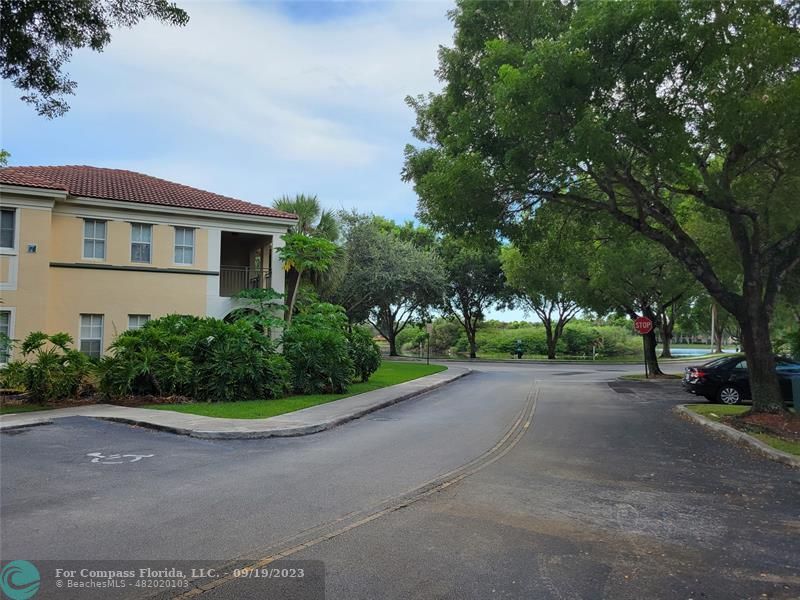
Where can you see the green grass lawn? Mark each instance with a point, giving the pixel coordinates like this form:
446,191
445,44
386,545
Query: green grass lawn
716,412
641,377
22,408
389,373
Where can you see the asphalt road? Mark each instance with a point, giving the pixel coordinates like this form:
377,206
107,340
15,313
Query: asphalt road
519,481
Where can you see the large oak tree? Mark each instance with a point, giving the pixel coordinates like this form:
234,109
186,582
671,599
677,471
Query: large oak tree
647,111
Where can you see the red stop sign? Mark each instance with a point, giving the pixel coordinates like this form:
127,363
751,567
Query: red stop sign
643,325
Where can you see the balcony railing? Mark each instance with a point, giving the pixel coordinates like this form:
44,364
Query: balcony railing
233,280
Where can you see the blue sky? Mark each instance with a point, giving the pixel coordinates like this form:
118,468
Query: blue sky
251,99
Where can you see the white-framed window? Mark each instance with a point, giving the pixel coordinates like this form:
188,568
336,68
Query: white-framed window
141,242
8,222
184,245
137,321
94,239
91,338
6,331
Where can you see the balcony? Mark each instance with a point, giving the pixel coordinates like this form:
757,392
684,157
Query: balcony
234,279
244,262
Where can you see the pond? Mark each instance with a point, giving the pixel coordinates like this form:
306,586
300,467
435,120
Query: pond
695,351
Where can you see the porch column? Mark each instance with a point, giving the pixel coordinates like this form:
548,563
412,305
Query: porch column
277,275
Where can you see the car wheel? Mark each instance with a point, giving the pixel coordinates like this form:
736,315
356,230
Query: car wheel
729,394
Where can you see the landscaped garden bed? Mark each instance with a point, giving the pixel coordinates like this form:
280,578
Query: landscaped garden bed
208,367
389,373
781,431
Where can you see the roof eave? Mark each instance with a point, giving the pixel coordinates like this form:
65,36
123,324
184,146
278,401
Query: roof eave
142,207
28,190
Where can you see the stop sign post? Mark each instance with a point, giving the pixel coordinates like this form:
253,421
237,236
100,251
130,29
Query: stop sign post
643,326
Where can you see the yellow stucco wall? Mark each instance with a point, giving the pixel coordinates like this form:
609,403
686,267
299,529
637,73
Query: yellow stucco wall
116,294
68,244
53,298
30,298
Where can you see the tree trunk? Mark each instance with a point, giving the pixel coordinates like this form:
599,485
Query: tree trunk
718,334
293,299
391,338
649,342
764,386
666,326
473,346
717,329
551,340
666,342
292,281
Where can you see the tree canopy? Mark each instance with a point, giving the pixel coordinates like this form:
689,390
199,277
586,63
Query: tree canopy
304,253
650,112
547,269
387,279
37,38
474,282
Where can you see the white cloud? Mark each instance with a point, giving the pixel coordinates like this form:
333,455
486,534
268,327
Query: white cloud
317,92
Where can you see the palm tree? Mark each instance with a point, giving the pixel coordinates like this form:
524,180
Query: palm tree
313,221
312,218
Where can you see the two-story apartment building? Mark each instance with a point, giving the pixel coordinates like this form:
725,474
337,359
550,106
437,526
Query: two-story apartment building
93,251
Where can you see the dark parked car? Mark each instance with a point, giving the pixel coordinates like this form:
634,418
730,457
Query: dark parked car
725,380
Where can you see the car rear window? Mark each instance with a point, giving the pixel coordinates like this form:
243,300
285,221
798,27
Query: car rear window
721,362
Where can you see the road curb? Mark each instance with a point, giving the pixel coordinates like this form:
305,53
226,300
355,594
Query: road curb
739,437
242,433
295,431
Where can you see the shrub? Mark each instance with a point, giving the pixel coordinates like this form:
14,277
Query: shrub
203,358
51,369
364,353
410,337
445,335
262,307
316,346
234,362
504,341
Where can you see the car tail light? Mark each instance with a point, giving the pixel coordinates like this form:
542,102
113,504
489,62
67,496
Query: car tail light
699,374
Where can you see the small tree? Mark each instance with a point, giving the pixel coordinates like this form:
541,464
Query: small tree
474,282
542,291
634,276
407,281
304,253
388,279
547,269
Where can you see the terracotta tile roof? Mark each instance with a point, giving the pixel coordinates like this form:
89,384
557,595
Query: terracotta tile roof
129,186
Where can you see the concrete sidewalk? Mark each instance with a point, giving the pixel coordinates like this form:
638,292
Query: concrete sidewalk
302,422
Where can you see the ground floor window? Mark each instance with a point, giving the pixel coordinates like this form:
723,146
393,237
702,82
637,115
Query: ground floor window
137,321
91,340
5,336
